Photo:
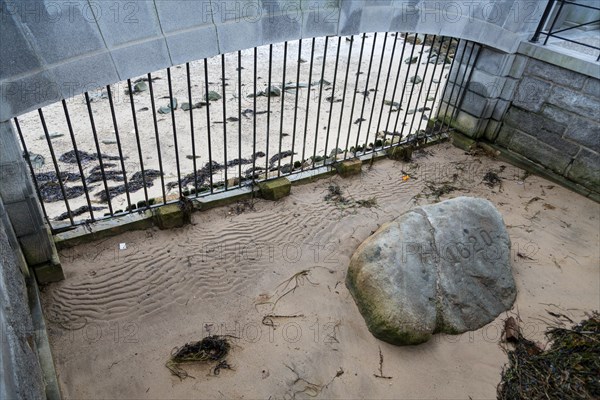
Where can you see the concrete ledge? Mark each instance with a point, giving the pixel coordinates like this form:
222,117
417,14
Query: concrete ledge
275,189
103,229
561,57
42,343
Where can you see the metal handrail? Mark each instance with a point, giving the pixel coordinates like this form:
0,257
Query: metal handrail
551,32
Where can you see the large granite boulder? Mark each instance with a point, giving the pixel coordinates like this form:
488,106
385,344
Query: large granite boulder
437,268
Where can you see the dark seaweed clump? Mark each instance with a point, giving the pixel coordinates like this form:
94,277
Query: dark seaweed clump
568,369
134,184
70,157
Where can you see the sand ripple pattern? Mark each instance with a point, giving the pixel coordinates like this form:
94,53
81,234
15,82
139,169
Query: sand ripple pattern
220,255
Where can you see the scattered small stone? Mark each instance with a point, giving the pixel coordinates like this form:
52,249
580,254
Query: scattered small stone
233,119
212,96
320,82
188,106
52,135
37,160
359,120
410,60
392,103
416,79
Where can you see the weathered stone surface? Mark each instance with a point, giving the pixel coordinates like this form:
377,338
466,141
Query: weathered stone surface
555,74
575,102
585,132
49,273
586,170
539,152
275,189
543,129
531,94
400,153
592,87
349,167
169,216
438,268
462,142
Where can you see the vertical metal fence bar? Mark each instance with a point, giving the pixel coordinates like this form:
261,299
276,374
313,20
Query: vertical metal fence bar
267,168
224,118
560,7
156,134
335,71
312,59
285,46
412,52
319,101
114,120
296,102
344,96
439,49
192,135
366,94
174,131
254,117
82,176
31,170
240,118
453,84
437,88
362,47
400,61
375,94
412,122
137,139
210,163
387,80
97,144
543,21
56,169
462,88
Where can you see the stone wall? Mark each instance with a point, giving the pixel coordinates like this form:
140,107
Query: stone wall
554,120
21,375
537,104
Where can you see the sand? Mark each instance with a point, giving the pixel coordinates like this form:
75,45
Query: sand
115,319
306,138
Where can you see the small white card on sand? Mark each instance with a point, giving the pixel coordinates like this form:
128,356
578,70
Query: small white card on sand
122,246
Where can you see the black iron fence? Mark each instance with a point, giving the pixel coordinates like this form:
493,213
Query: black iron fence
229,121
553,18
